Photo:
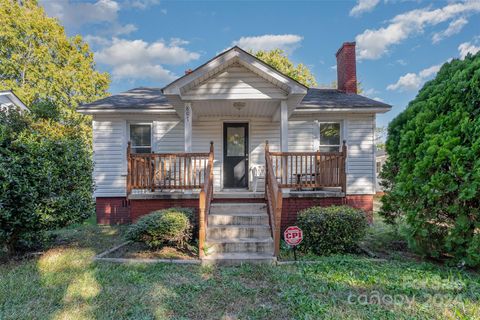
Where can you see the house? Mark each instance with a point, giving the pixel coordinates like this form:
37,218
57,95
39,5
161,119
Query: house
8,99
221,135
380,159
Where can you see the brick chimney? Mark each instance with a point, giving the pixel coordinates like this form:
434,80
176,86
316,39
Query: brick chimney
347,68
188,71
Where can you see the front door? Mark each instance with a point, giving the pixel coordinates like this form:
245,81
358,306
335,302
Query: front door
235,155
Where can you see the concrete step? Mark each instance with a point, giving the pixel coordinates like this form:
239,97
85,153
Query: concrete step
238,231
239,258
237,219
239,245
227,207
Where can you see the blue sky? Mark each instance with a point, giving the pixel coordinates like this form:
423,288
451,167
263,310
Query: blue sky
400,44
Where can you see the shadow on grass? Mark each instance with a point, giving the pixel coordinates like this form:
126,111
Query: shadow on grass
66,283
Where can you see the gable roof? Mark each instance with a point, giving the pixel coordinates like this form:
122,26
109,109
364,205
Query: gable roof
152,99
223,60
234,48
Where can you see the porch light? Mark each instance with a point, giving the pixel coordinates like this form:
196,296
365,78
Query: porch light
239,105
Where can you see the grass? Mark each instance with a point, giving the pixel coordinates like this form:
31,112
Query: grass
65,283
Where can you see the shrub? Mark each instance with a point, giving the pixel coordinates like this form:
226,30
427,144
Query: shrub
45,179
169,226
331,229
432,175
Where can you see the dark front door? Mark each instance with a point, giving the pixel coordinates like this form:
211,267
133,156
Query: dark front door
235,155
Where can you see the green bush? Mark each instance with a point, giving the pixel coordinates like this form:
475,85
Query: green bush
45,179
432,175
169,226
331,229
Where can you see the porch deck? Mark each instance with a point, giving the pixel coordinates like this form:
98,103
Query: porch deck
189,176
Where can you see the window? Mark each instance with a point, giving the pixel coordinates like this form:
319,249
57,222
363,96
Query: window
330,137
141,138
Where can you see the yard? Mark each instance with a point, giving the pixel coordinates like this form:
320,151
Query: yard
65,283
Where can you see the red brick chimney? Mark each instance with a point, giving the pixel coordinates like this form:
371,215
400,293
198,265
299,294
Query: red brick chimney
347,68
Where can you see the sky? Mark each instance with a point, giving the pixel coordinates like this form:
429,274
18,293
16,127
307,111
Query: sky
400,44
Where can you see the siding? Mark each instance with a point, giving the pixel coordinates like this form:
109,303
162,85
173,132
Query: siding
361,163
239,82
109,155
110,143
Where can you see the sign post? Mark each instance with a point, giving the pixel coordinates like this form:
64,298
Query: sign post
293,236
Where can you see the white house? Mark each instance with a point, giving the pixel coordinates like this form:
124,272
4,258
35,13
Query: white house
8,99
320,150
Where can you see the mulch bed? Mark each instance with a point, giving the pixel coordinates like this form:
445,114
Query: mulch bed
137,250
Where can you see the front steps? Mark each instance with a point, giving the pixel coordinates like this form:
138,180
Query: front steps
238,233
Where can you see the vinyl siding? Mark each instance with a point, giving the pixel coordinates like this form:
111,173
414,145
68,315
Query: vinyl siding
110,143
239,82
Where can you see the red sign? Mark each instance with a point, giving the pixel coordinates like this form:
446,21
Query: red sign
293,236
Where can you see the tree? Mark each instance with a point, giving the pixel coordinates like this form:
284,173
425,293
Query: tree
40,63
45,178
380,135
432,175
279,60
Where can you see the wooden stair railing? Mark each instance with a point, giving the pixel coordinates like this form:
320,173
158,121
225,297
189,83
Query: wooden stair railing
206,196
273,193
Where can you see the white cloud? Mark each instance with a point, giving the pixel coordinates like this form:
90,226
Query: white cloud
141,4
379,99
286,42
466,48
373,44
363,6
74,14
154,72
413,81
453,28
135,59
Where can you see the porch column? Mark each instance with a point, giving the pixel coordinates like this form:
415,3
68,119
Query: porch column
188,126
283,126
284,137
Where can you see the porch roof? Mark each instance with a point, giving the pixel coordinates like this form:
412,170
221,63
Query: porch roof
151,99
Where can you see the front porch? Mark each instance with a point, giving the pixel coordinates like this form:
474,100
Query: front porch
160,180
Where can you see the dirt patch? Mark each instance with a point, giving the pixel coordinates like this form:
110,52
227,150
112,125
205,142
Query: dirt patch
137,250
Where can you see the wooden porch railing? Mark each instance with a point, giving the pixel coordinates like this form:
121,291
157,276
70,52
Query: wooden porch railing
300,170
206,195
152,171
273,193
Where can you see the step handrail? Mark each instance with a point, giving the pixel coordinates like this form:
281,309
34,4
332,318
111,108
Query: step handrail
205,199
273,193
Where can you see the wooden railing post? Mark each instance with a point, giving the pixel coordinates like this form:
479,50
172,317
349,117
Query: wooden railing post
343,176
278,221
201,224
129,169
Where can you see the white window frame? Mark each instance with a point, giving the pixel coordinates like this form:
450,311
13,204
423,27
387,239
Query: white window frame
151,135
320,145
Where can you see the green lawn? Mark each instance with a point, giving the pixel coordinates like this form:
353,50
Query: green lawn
64,283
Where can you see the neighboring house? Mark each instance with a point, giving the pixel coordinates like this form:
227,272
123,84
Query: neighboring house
320,149
8,99
381,157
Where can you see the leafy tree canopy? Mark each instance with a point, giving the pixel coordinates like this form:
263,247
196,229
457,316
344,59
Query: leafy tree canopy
40,63
432,175
279,60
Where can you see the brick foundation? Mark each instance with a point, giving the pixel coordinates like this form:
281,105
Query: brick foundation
112,211
120,211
